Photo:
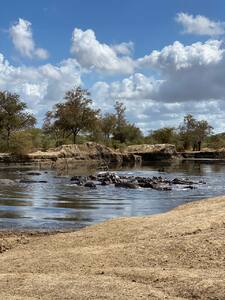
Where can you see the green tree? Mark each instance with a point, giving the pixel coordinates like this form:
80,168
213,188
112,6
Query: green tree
121,122
124,131
51,129
194,132
13,116
216,141
187,131
118,133
108,125
203,130
21,143
73,115
165,135
120,109
133,134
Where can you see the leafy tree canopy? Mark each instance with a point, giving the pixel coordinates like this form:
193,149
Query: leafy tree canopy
13,115
73,115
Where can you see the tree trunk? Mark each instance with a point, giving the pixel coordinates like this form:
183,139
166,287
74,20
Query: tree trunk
74,138
199,146
7,138
195,147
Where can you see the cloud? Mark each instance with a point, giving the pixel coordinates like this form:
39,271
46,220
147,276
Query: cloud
135,92
200,25
41,53
40,87
149,113
90,53
135,87
176,57
22,38
123,48
190,79
193,72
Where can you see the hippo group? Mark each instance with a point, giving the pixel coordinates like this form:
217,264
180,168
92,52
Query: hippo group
132,182
119,181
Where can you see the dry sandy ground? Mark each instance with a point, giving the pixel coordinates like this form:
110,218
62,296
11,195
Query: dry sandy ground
176,255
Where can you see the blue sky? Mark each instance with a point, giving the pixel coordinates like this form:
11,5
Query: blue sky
149,24
163,59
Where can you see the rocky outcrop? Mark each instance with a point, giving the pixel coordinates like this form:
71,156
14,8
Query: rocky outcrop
69,156
153,152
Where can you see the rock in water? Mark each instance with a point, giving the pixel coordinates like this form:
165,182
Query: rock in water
79,180
126,184
32,181
181,181
106,182
90,185
34,173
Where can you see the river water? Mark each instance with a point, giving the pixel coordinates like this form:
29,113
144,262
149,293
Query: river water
60,205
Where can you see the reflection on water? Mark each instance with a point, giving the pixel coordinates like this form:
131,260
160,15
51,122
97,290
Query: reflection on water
58,204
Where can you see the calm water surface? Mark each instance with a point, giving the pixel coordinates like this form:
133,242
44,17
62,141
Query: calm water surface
60,205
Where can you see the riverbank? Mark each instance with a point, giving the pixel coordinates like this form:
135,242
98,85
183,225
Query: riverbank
94,156
176,255
91,155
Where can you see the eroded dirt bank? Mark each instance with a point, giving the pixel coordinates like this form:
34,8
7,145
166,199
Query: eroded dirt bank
90,154
71,156
176,255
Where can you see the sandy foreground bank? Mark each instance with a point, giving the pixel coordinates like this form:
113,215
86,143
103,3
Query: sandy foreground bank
176,255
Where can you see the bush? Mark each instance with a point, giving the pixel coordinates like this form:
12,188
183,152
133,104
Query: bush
21,143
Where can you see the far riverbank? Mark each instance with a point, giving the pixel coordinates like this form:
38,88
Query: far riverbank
91,155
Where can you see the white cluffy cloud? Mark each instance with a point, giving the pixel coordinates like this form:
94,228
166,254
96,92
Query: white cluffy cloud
193,72
141,96
90,53
190,80
177,56
123,48
22,38
187,78
200,25
41,87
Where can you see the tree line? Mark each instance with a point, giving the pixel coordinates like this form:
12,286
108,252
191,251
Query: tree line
74,120
75,116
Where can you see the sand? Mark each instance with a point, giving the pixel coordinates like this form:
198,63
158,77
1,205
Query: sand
176,255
